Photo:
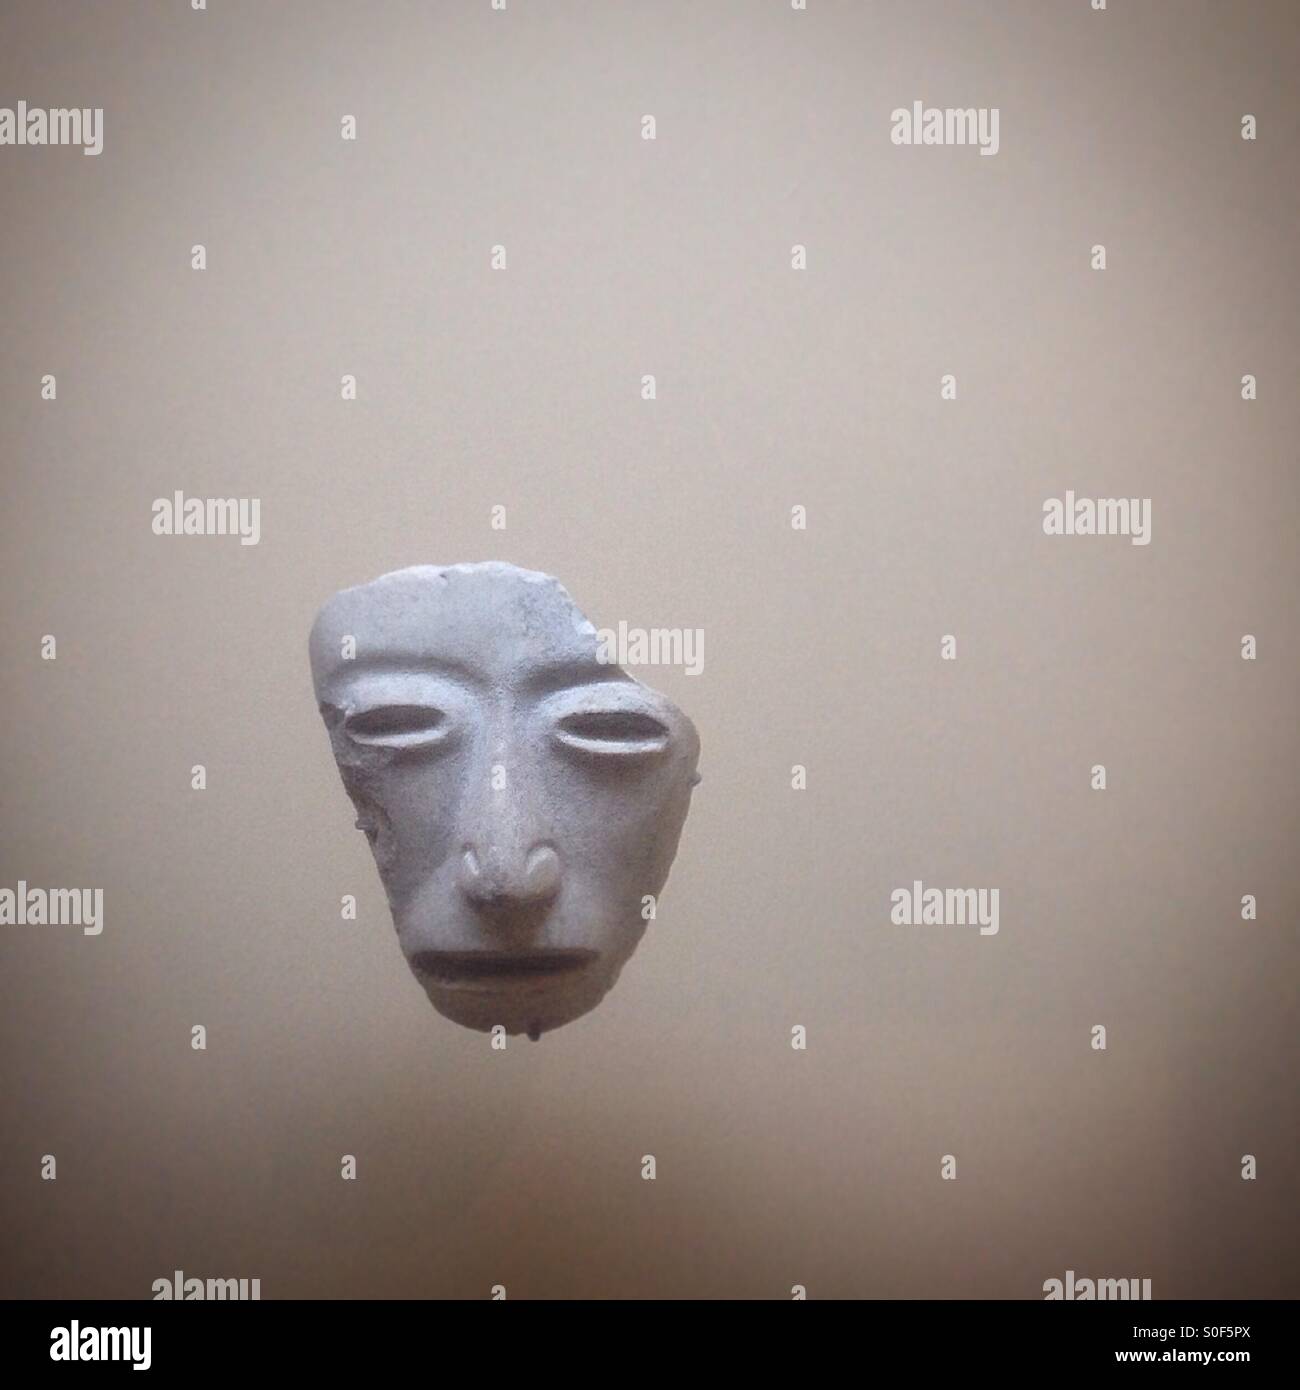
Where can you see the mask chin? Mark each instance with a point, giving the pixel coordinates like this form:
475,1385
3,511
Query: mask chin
531,1006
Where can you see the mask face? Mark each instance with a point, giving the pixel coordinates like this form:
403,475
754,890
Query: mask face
521,797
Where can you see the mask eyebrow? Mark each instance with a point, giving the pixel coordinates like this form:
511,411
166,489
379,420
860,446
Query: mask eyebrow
562,675
402,664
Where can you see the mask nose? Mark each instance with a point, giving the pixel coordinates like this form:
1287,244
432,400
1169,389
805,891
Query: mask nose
509,870
506,884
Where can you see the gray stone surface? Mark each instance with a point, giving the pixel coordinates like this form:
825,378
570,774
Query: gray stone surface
521,798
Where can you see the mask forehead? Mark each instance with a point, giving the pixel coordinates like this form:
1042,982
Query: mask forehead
490,623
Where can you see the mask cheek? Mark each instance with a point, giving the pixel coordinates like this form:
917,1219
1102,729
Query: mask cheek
409,825
366,793
600,913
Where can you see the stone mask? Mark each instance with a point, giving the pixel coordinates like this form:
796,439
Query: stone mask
523,799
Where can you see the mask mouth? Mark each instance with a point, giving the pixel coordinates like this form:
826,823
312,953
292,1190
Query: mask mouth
489,967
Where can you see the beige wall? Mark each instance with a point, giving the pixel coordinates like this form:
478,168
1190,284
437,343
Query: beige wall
775,388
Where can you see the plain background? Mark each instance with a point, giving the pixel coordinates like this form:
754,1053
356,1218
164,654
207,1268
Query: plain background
775,389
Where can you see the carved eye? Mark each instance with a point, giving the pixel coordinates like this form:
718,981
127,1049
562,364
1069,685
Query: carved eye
612,731
397,726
